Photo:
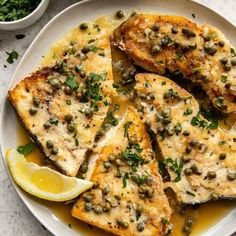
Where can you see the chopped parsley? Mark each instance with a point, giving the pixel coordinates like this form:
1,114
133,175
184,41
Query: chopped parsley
26,149
125,177
72,83
201,122
126,127
188,111
13,55
224,78
11,10
111,119
132,157
175,166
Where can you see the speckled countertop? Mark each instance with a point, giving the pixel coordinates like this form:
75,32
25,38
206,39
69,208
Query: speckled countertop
15,218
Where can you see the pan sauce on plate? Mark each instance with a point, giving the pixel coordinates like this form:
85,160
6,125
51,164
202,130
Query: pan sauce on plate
202,214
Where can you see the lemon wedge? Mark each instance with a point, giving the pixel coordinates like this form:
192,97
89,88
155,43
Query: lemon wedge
44,182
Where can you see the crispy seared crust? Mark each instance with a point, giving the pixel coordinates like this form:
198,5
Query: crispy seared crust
137,38
155,209
198,151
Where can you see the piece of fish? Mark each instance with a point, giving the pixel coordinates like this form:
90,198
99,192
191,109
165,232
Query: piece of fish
63,107
128,197
199,156
201,53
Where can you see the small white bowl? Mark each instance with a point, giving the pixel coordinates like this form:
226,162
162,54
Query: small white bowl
27,20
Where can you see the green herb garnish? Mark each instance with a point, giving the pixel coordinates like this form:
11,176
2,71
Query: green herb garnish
72,83
13,55
175,166
126,127
11,10
26,149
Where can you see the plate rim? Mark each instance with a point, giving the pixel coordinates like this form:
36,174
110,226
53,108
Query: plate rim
10,83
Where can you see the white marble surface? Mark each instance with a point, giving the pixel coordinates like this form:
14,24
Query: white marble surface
15,218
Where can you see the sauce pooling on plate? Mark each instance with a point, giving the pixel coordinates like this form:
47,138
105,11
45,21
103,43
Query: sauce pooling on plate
203,219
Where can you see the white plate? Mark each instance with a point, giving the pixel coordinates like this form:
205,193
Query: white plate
54,30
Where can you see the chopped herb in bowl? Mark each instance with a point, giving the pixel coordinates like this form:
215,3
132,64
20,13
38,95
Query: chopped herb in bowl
12,10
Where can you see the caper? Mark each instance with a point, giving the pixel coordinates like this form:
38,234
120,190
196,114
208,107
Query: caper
106,190
140,108
174,30
177,129
36,101
211,174
222,156
32,111
211,50
207,38
120,14
186,133
107,165
188,149
191,34
106,207
68,118
188,171
82,74
185,31
88,206
227,67
156,27
233,61
142,96
195,170
156,49
85,49
71,128
47,125
97,209
152,96
149,180
186,158
140,226
68,90
150,192
166,121
55,83
188,32
84,168
192,46
83,26
122,223
170,131
221,43
87,198
193,143
231,176
224,60
49,144
228,85
88,113
166,112
54,151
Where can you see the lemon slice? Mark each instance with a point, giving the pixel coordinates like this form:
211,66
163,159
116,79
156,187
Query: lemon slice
44,182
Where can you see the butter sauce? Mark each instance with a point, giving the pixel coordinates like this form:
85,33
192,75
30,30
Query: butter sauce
203,217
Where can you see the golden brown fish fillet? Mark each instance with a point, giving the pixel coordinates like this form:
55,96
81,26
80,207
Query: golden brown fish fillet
128,197
199,157
63,107
175,44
